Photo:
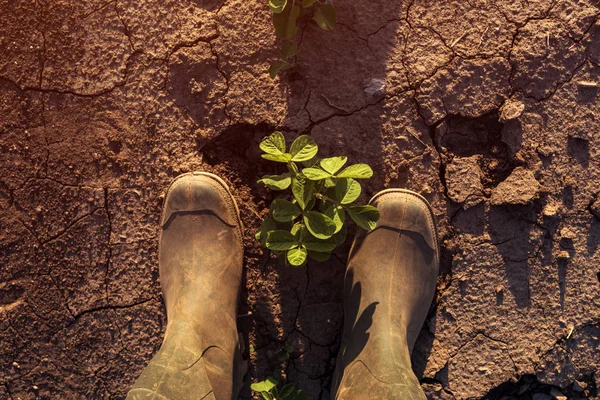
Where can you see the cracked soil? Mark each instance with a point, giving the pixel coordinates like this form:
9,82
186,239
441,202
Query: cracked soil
489,108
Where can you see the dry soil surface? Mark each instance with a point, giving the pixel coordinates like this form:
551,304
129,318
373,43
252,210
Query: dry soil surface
489,108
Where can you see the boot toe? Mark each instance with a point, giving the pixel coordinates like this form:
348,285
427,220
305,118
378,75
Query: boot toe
402,209
200,192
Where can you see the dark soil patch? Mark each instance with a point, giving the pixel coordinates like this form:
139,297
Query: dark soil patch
465,137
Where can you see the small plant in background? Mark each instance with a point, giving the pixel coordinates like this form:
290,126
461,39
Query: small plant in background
268,388
285,353
311,221
269,391
286,14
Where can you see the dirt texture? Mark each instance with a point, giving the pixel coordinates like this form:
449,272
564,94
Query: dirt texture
489,108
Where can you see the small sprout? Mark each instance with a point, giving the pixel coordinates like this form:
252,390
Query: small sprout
265,386
269,391
311,220
269,388
286,16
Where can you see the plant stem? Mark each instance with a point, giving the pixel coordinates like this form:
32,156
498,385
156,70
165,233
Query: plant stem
327,199
293,168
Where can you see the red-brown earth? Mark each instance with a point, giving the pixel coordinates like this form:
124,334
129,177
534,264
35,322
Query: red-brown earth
489,108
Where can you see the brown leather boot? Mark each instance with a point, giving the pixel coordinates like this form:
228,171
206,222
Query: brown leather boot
389,286
200,262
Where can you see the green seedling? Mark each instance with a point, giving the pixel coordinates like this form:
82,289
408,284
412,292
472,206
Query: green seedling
269,390
285,353
286,14
311,220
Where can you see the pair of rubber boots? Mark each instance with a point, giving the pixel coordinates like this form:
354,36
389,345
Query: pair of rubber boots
389,286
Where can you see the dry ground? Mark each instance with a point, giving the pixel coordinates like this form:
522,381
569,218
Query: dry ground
490,108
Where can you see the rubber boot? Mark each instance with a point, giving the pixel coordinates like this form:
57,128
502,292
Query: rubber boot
389,286
200,265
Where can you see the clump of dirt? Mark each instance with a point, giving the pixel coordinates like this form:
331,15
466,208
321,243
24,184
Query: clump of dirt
460,136
528,387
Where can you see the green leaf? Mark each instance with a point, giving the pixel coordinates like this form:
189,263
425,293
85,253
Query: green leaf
325,17
288,348
289,49
329,182
277,157
265,385
299,395
284,211
277,66
277,6
321,226
267,225
277,182
310,162
296,229
303,148
319,256
281,240
266,395
340,237
356,171
308,3
281,225
303,191
320,245
333,164
285,22
283,356
346,190
365,216
297,257
287,391
315,174
337,215
274,144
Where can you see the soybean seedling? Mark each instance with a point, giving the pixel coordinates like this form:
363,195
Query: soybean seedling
311,220
286,14
269,391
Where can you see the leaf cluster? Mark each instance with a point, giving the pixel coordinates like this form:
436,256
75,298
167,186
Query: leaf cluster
269,387
311,221
286,14
269,390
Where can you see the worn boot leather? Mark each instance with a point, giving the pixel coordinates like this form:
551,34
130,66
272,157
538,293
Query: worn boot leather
200,264
389,286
